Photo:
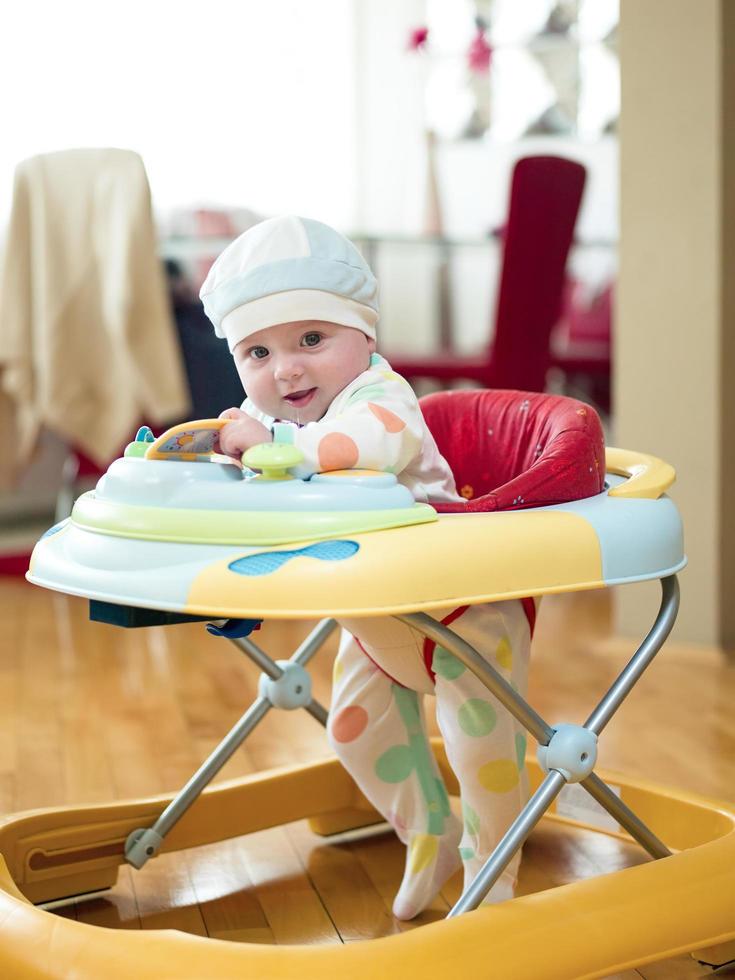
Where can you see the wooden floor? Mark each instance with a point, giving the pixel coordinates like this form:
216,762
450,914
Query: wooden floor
93,713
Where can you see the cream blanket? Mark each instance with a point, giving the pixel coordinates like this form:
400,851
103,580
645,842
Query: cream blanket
87,342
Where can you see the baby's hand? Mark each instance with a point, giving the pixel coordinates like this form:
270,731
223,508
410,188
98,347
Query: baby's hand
241,433
233,413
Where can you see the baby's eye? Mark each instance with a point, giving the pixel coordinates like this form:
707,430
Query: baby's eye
258,353
311,339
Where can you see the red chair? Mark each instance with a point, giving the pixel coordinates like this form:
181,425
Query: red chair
510,450
544,201
581,345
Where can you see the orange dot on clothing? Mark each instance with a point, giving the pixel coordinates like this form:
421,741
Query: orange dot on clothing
337,452
390,420
349,723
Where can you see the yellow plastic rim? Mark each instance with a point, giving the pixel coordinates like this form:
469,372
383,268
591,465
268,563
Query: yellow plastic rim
587,929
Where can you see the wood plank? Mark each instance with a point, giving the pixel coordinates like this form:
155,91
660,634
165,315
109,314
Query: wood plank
39,731
13,615
225,894
293,907
116,908
165,896
627,975
352,902
679,968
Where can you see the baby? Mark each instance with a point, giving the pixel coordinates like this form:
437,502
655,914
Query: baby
298,307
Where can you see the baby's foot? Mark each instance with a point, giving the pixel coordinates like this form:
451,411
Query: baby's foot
502,891
430,861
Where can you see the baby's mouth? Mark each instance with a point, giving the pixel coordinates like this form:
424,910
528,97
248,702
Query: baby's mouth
300,399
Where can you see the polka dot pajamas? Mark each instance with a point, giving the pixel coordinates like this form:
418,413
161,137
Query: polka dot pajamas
377,728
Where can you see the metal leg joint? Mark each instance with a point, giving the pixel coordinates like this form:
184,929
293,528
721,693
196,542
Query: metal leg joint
572,752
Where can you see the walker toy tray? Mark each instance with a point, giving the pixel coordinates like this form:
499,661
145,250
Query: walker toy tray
204,538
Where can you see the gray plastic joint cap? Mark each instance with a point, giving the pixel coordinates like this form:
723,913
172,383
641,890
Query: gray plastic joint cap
291,690
572,752
141,845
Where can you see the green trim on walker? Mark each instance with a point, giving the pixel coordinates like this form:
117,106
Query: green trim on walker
189,526
136,449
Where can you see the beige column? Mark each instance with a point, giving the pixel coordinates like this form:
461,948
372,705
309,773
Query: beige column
675,319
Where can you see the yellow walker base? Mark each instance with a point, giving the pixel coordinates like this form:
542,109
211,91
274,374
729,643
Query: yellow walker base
629,532
587,929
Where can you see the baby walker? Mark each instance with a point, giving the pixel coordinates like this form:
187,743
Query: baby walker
172,532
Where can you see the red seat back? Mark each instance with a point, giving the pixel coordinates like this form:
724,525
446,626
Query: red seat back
545,195
514,449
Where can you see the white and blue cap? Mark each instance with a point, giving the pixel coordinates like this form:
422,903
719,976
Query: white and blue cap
285,269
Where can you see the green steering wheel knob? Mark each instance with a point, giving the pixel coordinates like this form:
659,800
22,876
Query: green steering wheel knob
273,459
136,448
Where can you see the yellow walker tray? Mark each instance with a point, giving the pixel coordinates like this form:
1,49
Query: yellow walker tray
115,551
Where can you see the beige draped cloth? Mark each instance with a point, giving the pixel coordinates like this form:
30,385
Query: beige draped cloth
88,346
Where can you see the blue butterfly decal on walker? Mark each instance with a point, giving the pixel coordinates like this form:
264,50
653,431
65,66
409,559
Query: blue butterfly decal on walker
268,562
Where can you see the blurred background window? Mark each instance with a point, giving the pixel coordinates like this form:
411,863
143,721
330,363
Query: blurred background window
229,102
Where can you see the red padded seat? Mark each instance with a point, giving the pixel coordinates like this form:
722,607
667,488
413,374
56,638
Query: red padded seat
510,450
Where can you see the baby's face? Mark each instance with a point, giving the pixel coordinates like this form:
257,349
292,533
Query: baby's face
294,371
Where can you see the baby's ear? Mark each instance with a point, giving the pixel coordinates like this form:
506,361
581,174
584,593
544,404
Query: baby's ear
371,344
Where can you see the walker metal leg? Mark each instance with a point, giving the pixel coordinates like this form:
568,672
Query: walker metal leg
144,843
643,656
544,733
512,840
601,792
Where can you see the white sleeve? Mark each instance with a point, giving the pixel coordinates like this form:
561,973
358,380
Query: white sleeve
376,430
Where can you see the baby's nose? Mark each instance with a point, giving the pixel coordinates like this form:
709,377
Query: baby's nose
288,367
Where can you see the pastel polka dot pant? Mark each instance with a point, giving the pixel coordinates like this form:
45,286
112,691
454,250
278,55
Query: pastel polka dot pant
377,728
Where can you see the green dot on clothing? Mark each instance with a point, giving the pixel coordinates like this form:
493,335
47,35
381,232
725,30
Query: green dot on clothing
471,820
466,853
520,749
446,665
363,394
476,717
395,765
